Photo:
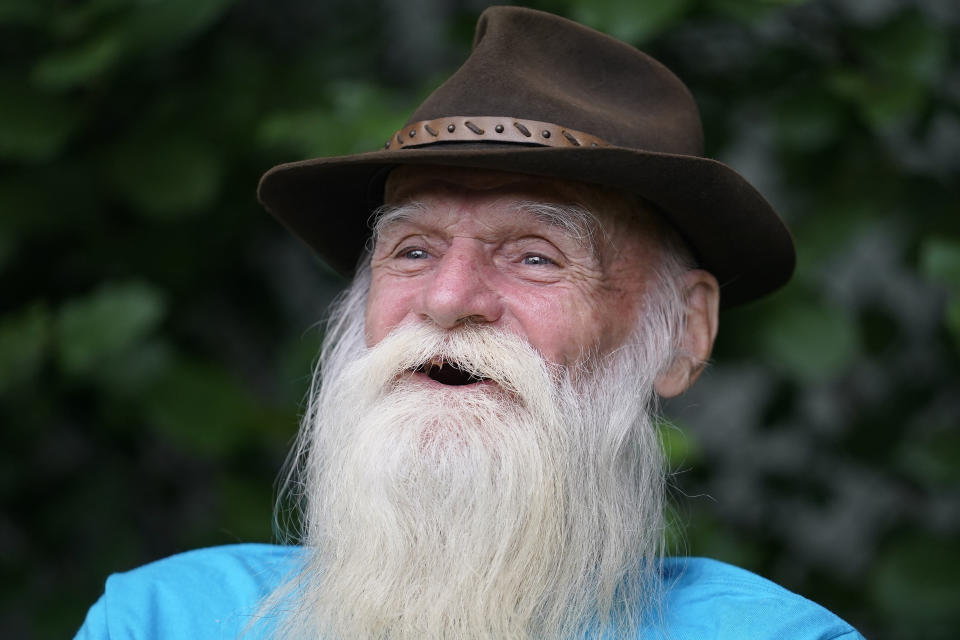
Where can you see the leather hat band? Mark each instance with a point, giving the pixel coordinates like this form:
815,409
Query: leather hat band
490,129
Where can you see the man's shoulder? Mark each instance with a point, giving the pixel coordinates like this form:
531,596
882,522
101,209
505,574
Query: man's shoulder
215,590
711,600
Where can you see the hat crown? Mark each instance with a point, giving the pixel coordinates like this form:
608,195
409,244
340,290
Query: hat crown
537,66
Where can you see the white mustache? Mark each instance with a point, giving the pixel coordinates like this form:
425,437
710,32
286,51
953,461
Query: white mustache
481,352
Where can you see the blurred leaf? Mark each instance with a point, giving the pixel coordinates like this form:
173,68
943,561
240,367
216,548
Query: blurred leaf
909,47
917,579
749,10
302,129
709,537
828,228
232,97
25,203
905,57
248,506
940,261
20,204
33,126
24,12
295,364
37,202
807,120
137,27
810,342
932,458
361,118
166,174
24,338
953,321
7,248
63,70
359,121
133,371
628,20
105,324
679,446
203,408
881,100
162,23
73,21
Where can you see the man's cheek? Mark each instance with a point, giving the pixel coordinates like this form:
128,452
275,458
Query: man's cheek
384,312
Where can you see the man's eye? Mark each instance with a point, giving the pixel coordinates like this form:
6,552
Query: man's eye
414,254
536,260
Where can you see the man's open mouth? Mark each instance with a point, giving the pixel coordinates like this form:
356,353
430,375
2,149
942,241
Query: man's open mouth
447,373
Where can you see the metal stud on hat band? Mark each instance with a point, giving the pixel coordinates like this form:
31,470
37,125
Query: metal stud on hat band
490,129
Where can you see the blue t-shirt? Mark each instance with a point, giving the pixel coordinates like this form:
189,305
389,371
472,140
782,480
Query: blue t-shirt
214,594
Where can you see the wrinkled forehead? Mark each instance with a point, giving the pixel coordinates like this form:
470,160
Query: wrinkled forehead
612,211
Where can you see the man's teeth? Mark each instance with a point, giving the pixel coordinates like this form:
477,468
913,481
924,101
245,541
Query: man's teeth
446,372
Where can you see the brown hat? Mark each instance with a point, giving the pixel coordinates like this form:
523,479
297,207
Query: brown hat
546,96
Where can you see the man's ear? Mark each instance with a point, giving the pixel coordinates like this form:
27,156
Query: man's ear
701,295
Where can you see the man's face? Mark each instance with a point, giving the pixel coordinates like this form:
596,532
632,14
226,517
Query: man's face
470,251
480,511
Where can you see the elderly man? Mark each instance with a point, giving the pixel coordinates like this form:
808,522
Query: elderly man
549,253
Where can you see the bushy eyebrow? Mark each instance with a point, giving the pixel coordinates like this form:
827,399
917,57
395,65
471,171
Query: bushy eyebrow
388,215
575,221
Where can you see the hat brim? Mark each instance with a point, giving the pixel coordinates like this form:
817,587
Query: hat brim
734,232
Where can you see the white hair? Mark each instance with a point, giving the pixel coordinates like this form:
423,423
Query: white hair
535,512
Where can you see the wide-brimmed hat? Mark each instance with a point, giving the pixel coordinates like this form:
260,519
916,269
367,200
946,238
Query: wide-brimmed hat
545,96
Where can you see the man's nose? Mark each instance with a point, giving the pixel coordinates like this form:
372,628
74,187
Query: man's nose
459,290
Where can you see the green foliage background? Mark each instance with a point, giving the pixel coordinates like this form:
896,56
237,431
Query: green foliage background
157,328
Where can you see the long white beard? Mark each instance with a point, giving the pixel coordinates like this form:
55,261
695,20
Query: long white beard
531,508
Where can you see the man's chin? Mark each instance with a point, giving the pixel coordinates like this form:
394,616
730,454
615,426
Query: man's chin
451,420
